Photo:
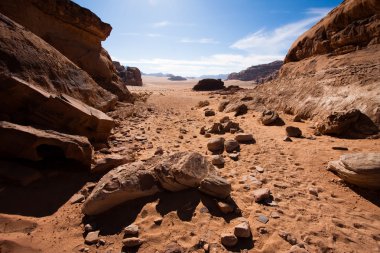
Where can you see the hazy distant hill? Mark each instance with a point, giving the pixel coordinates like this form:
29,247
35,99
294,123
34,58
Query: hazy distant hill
220,76
158,74
257,73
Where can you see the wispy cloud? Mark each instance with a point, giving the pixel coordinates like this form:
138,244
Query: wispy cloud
166,23
161,24
200,41
279,40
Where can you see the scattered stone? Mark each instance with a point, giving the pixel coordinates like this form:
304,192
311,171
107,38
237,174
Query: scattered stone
216,144
259,169
209,113
361,169
340,148
92,237
242,230
131,230
313,191
77,198
222,105
231,146
292,131
216,128
225,119
287,139
228,239
288,237
262,219
226,127
238,108
244,138
203,103
261,194
234,156
132,242
269,117
217,160
215,186
225,207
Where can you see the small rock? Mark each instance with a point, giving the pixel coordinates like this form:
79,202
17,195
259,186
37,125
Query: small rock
262,219
207,135
140,138
313,191
159,151
259,169
131,230
202,131
228,239
244,138
225,208
292,131
203,103
89,228
225,119
340,148
269,117
231,146
216,144
261,194
77,198
242,230
209,113
217,160
297,118
215,186
275,215
288,237
92,237
234,156
132,242
222,105
287,138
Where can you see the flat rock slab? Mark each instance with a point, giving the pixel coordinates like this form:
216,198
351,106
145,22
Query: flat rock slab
29,143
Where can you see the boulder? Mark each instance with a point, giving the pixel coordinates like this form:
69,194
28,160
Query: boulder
361,169
26,103
244,138
242,230
216,128
216,144
231,146
27,56
217,160
133,77
215,186
269,117
238,108
257,73
29,143
126,182
348,123
183,170
222,105
292,131
75,32
228,239
209,85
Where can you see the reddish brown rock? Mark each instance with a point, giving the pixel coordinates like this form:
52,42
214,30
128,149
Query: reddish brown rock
258,73
74,31
209,85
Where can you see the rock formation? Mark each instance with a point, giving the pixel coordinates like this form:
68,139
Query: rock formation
30,58
177,78
209,85
259,73
318,79
130,75
74,31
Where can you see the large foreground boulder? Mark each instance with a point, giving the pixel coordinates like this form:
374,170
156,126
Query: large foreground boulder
27,56
347,123
75,32
29,143
126,182
24,103
361,169
209,85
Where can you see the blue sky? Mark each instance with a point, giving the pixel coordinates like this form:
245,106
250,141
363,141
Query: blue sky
196,37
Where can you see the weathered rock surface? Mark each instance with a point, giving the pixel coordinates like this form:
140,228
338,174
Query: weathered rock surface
231,146
244,138
261,194
216,144
126,182
29,143
269,117
215,186
183,170
74,31
108,163
257,73
238,108
209,85
16,173
30,58
292,131
129,76
242,230
361,169
25,103
349,123
229,239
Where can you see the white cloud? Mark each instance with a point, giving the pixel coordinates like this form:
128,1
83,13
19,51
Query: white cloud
166,23
200,41
161,24
280,39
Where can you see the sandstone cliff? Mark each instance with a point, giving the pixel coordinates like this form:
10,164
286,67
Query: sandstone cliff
129,76
334,66
74,31
258,73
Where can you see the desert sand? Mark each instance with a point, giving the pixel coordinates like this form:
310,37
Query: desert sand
314,206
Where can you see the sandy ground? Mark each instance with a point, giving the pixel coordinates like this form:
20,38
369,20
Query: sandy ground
339,219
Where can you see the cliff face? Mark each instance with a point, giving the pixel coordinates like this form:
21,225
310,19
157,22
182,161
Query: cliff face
74,31
129,76
334,66
28,57
258,73
353,25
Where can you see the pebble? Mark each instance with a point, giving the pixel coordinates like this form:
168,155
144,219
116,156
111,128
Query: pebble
313,191
132,242
292,131
131,230
259,169
228,239
92,237
261,194
262,219
217,160
234,156
275,215
242,230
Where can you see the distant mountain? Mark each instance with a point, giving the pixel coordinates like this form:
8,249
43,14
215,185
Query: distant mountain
158,74
259,73
220,76
177,78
